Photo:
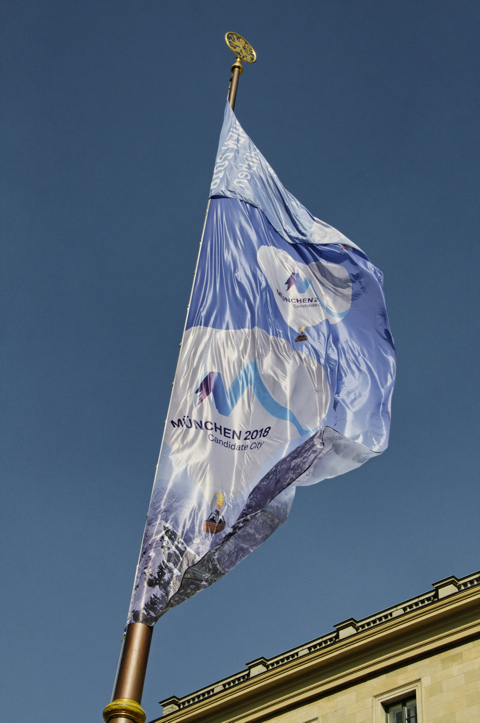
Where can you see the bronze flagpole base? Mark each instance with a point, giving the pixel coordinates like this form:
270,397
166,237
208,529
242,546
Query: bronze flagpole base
124,710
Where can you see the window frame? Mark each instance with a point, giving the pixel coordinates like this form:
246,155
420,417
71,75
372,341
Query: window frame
398,695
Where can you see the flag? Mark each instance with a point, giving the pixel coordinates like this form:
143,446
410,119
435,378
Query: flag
285,378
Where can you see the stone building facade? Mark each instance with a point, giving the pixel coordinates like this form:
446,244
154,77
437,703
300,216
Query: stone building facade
416,662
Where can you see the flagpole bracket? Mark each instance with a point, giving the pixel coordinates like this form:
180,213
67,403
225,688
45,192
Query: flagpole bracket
124,708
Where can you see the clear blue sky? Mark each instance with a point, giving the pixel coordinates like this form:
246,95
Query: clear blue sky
368,112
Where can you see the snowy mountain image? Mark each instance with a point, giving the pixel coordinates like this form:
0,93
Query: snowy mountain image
163,561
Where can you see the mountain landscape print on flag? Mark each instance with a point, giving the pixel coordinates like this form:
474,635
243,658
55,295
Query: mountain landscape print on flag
285,378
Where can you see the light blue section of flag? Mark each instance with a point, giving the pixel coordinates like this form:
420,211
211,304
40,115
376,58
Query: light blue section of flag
242,172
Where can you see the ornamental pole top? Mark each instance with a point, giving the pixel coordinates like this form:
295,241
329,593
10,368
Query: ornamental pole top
242,49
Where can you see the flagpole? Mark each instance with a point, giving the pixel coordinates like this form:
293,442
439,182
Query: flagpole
125,706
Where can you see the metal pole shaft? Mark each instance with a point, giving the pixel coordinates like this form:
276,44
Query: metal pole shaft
131,676
237,70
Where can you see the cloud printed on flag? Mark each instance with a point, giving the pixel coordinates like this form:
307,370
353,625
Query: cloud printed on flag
285,378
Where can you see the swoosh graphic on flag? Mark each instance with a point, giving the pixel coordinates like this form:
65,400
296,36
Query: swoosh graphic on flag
302,283
249,376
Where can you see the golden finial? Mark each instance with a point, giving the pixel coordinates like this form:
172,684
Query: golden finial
242,49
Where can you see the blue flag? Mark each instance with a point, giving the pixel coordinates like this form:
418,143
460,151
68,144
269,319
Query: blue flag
285,378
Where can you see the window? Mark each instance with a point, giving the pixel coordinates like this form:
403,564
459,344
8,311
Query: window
399,705
402,711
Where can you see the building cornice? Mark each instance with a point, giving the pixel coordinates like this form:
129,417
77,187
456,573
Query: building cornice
358,649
